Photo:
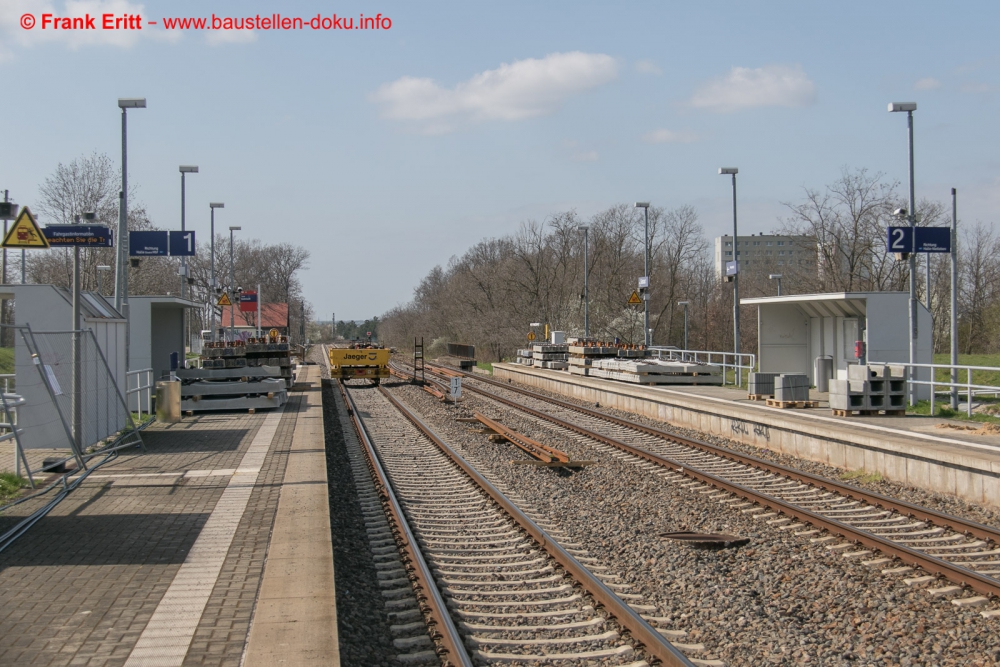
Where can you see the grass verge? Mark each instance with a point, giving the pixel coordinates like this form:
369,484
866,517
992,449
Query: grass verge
10,486
862,476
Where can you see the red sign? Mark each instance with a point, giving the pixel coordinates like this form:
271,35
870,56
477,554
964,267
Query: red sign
248,302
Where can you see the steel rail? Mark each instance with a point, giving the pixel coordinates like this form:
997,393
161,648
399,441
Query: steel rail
949,521
955,573
443,629
653,642
523,442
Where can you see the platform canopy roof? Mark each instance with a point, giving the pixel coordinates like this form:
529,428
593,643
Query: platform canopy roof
831,304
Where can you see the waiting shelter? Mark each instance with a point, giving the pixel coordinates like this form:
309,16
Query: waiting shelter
792,331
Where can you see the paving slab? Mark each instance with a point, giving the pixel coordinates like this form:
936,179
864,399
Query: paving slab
159,558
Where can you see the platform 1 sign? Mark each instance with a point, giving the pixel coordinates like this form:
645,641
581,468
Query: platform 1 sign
919,239
88,236
161,243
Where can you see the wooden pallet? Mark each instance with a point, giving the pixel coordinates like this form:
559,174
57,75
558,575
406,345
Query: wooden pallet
759,397
771,403
869,413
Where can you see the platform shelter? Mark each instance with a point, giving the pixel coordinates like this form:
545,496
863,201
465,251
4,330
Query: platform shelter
792,331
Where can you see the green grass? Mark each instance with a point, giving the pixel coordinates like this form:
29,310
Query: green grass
991,378
10,485
6,360
942,409
861,476
485,365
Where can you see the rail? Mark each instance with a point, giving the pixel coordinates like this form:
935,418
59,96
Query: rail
7,377
652,641
738,362
932,564
968,386
447,633
139,388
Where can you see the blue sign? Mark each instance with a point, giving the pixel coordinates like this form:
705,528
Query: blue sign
93,236
900,239
933,239
732,268
182,243
919,239
144,244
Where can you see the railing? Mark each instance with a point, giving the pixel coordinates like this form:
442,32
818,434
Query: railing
968,387
7,379
139,388
738,362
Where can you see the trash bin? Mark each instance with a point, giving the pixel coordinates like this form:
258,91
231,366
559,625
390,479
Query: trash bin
823,371
168,401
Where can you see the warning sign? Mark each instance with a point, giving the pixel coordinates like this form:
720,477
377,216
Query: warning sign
25,233
531,335
634,300
224,300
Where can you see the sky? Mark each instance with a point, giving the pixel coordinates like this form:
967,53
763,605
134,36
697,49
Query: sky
387,151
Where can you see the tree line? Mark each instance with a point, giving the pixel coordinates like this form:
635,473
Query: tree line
490,294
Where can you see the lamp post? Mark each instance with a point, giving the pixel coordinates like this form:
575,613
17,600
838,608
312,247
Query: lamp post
232,282
214,283
103,268
954,298
644,205
909,108
685,304
184,169
586,280
736,258
776,276
121,263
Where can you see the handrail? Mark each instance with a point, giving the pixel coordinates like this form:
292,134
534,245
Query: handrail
968,385
738,361
148,388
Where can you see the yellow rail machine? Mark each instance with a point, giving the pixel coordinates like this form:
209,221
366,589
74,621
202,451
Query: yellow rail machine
364,364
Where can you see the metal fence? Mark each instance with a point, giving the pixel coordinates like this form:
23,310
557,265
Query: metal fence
737,362
957,388
143,381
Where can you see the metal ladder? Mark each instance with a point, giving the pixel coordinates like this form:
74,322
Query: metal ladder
418,361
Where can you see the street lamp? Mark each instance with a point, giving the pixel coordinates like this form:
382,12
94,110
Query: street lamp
776,276
909,108
732,171
644,205
101,269
232,282
586,280
184,169
121,266
214,283
685,304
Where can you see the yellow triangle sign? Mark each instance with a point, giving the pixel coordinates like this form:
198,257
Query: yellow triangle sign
224,300
634,300
25,233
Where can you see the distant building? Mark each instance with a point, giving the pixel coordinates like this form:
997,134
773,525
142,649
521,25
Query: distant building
272,315
766,253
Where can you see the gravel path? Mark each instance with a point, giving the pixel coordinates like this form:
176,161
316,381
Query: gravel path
780,600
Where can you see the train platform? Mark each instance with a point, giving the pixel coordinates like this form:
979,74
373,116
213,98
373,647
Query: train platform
213,548
925,452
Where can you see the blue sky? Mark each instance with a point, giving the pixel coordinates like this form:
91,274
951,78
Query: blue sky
387,152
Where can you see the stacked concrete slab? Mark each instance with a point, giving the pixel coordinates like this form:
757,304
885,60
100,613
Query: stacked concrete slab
583,353
524,357
655,371
791,387
761,384
548,355
870,388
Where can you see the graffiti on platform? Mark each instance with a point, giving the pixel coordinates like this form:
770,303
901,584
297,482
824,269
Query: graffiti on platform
740,427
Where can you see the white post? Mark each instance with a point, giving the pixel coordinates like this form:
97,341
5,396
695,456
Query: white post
258,310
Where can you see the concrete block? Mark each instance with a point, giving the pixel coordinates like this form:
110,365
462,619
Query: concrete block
857,372
877,386
876,401
848,402
893,371
895,387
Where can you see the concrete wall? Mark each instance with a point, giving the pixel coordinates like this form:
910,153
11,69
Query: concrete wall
926,463
784,339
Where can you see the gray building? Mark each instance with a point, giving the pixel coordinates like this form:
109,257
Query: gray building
766,253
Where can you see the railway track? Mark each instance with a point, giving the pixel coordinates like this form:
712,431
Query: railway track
859,524
493,585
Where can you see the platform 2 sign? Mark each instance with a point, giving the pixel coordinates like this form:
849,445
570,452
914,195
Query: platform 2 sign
88,236
919,239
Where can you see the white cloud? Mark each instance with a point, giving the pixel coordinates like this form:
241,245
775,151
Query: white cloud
670,137
746,88
647,67
515,91
927,83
